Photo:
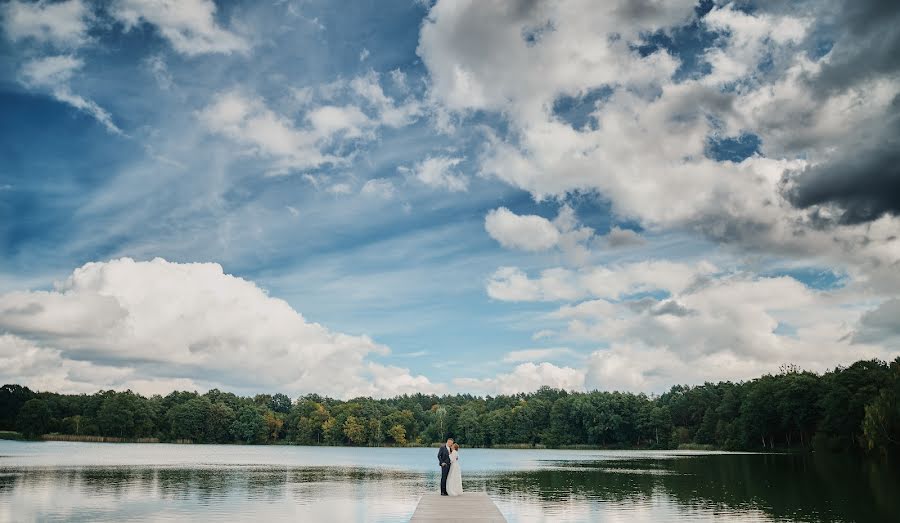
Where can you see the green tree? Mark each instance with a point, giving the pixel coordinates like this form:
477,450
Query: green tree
332,433
249,426
375,434
190,420
219,423
33,418
116,417
12,398
280,403
355,431
274,424
881,422
398,434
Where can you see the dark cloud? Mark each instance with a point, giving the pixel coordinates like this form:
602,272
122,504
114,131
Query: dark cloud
618,237
861,179
658,308
863,183
672,308
865,35
642,304
879,324
866,44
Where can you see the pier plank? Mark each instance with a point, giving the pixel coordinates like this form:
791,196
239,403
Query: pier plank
471,506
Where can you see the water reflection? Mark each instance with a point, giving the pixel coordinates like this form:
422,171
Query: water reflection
585,487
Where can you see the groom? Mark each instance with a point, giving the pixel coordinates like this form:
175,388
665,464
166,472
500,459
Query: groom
444,461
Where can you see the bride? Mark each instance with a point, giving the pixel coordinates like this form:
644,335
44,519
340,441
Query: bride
454,479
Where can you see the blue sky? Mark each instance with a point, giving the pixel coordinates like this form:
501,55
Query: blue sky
449,196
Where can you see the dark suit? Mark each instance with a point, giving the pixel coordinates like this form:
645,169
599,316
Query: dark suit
444,462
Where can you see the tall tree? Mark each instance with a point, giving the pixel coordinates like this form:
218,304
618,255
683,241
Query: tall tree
33,418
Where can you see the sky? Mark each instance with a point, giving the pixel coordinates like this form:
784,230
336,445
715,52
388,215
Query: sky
452,196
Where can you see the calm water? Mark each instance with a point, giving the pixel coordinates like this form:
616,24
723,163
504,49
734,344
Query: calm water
56,481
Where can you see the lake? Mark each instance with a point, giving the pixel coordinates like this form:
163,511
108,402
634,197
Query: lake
61,481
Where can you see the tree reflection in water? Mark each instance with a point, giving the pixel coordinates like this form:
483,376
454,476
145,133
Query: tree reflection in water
702,487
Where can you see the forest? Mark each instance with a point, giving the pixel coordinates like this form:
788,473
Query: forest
853,408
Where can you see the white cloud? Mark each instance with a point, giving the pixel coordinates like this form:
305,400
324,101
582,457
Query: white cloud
52,74
188,25
388,111
112,323
733,326
747,38
50,71
493,55
536,233
438,172
526,377
248,121
64,24
528,232
512,284
330,120
379,187
363,54
23,361
331,115
515,63
611,282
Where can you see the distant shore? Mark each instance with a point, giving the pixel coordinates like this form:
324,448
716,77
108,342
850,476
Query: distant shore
16,436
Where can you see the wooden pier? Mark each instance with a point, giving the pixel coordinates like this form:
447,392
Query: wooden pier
471,506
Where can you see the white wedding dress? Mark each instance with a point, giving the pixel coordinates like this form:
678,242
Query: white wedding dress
454,478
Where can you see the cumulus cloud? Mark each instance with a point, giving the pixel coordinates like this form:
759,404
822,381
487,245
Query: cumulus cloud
748,38
526,377
517,60
41,368
880,325
536,233
528,232
248,121
154,325
52,74
188,25
64,24
513,284
609,282
496,55
439,172
864,186
330,120
716,326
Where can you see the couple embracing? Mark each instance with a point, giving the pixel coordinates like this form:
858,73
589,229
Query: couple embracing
451,475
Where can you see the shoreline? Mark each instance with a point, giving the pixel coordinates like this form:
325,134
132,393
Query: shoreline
67,438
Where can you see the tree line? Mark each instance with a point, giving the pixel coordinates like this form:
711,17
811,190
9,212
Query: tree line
854,407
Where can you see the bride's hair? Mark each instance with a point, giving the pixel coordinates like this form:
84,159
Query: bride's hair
456,446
